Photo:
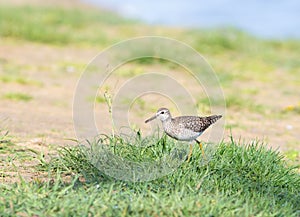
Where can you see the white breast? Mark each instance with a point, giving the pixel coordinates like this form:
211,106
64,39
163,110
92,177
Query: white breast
180,133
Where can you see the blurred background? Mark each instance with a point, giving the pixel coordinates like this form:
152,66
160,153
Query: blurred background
253,46
267,19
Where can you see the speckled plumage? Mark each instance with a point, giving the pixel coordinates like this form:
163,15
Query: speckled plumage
184,128
188,128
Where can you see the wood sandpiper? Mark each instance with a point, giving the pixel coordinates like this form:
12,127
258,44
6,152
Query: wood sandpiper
184,128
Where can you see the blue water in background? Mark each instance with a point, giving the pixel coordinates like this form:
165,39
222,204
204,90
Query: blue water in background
263,18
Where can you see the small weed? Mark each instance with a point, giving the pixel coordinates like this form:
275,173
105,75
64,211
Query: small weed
109,102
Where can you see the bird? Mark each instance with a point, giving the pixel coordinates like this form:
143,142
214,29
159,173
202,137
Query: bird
184,128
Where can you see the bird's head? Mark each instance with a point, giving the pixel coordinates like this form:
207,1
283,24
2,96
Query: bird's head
162,114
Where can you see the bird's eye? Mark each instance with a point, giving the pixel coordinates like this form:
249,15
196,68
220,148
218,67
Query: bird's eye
162,112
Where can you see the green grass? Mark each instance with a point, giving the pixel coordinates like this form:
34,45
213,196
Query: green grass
14,156
57,25
234,102
63,26
17,96
239,180
19,80
15,73
219,40
239,103
5,143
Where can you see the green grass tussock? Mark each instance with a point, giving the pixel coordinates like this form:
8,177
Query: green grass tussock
239,180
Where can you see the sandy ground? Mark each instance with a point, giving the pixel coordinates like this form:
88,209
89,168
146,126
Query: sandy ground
48,116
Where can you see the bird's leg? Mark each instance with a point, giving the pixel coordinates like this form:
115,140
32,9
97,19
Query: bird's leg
190,153
201,148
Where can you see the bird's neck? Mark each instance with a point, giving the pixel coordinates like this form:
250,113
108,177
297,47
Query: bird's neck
167,121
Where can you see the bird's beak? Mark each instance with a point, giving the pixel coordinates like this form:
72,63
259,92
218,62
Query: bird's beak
150,119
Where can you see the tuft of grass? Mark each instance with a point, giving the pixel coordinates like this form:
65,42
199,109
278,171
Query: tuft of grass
18,96
239,180
128,158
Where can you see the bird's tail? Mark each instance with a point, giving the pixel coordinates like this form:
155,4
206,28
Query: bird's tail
212,119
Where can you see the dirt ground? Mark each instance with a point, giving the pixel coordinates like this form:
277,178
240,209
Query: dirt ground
48,116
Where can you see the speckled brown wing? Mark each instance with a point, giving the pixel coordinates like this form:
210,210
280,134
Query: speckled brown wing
197,124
